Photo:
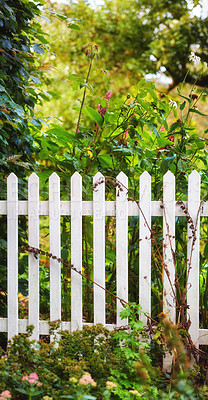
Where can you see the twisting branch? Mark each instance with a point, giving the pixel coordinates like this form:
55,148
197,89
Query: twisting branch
36,251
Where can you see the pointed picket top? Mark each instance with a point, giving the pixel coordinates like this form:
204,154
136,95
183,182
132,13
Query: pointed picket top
99,187
169,186
33,176
144,184
123,180
194,179
194,173
76,175
12,178
10,175
12,191
98,181
144,175
54,177
98,176
33,185
168,176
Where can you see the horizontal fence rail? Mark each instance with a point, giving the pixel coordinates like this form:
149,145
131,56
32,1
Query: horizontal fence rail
99,208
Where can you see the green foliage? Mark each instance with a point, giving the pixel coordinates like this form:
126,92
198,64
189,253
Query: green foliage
94,364
22,43
135,38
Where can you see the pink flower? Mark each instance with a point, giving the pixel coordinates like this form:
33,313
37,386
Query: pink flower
32,381
25,378
33,375
108,95
87,380
162,129
5,395
33,378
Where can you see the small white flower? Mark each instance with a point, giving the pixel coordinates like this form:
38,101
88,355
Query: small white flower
172,103
196,60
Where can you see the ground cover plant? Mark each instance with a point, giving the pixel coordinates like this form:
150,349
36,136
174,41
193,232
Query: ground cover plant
94,363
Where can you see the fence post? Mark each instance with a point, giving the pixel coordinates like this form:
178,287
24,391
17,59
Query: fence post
76,251
169,245
169,290
145,244
99,247
121,243
193,251
55,248
33,263
12,255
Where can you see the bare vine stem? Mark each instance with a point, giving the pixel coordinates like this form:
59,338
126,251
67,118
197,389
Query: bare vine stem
36,251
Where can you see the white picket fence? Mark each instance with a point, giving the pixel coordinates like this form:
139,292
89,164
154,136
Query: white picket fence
121,208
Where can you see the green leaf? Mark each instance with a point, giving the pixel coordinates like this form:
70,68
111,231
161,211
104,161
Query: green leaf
182,165
74,26
182,106
21,391
64,254
105,161
184,97
197,112
36,47
61,133
141,83
165,164
174,126
94,115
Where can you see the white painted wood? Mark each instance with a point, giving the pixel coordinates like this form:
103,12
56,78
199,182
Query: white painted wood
121,244
193,250
203,337
76,251
110,208
99,247
145,245
33,263
55,247
169,245
12,255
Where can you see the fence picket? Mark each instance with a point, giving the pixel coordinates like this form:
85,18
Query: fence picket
145,244
12,255
121,243
55,247
99,247
33,263
169,245
76,251
193,251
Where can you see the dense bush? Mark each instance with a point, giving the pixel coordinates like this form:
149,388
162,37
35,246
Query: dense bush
95,363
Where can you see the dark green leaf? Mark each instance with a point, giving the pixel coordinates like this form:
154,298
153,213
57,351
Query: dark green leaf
194,110
182,106
94,115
